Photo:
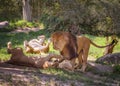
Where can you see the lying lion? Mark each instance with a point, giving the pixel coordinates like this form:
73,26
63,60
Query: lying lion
109,49
19,58
36,45
66,65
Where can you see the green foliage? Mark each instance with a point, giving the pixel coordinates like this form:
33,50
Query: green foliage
30,24
10,9
7,29
19,24
90,17
23,23
116,69
52,23
95,17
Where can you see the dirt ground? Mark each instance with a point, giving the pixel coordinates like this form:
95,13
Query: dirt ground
25,30
12,75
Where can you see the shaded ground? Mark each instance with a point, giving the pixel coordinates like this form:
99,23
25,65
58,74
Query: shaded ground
11,75
25,30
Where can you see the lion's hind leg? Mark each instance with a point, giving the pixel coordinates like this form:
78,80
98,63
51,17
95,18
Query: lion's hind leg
84,58
80,60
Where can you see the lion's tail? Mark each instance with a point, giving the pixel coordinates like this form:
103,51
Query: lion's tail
102,46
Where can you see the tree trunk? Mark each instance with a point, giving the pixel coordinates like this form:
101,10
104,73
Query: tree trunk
26,10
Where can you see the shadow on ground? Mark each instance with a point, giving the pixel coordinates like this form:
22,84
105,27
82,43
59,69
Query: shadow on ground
27,76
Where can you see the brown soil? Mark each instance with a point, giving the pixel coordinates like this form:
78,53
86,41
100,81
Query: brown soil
12,75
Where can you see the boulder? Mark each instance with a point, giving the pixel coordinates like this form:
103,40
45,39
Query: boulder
110,59
99,68
4,24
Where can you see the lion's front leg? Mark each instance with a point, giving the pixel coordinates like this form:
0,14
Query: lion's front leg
80,60
73,63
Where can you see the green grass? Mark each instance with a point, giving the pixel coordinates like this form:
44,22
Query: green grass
65,75
18,38
98,52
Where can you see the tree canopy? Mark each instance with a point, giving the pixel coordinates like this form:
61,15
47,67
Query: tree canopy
96,17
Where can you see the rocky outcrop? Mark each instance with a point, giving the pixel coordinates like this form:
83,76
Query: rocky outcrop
4,24
110,59
99,68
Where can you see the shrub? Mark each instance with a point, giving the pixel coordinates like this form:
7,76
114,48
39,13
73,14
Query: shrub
32,24
116,69
21,23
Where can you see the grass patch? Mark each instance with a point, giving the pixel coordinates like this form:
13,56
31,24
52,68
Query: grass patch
98,52
64,75
18,38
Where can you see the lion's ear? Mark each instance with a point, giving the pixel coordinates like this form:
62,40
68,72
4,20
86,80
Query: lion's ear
114,41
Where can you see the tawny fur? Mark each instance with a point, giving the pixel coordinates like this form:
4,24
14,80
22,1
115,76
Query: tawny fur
66,42
36,46
66,65
19,58
109,49
83,50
